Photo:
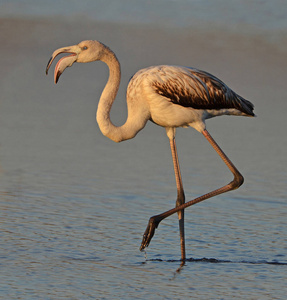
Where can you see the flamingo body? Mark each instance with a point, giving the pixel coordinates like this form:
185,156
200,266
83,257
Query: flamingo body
182,97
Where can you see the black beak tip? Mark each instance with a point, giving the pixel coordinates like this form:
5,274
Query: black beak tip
57,77
48,65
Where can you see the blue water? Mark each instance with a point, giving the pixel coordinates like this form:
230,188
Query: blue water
74,205
260,15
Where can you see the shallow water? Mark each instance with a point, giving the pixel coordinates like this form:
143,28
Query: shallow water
74,205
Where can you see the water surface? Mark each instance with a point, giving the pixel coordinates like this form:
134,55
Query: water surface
74,205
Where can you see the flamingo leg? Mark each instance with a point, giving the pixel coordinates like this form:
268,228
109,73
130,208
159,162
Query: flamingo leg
234,184
180,196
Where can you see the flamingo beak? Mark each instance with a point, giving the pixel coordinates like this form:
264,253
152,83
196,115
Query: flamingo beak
64,62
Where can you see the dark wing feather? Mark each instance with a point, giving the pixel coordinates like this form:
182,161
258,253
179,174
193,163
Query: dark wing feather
200,90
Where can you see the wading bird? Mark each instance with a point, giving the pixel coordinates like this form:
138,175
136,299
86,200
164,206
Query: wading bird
169,96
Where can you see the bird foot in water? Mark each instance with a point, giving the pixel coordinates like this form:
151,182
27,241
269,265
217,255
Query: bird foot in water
149,232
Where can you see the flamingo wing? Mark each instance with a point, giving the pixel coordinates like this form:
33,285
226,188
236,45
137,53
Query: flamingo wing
190,87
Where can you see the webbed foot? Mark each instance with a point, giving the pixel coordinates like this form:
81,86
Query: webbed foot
149,232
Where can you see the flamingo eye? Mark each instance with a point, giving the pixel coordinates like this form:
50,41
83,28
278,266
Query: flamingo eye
85,48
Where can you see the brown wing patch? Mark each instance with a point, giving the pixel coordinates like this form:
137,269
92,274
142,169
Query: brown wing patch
200,90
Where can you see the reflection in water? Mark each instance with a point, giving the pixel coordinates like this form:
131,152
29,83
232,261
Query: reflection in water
215,261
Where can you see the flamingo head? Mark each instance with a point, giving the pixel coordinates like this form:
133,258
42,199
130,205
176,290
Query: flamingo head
85,51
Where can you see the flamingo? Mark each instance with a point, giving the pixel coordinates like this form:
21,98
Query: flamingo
169,96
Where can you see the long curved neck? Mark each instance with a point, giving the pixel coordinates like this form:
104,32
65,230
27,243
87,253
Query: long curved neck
117,134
